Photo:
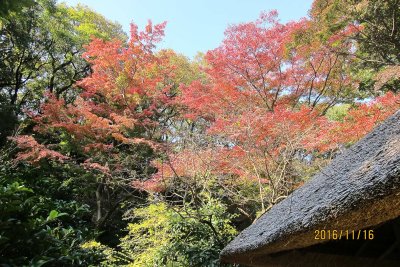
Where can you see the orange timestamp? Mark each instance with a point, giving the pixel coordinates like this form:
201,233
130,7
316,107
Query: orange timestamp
344,234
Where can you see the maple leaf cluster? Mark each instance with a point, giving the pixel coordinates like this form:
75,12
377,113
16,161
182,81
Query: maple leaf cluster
361,119
34,152
271,86
119,103
264,98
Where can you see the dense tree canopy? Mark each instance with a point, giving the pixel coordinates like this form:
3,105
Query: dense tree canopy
41,50
376,34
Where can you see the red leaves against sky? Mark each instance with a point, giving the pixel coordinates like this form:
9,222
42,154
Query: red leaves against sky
124,91
269,86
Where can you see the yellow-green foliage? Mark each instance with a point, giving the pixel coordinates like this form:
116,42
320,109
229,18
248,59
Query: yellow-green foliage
337,113
89,23
183,236
149,235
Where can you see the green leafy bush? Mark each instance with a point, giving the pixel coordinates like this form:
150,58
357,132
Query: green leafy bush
39,226
177,236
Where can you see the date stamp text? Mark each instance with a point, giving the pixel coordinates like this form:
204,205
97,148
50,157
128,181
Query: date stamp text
344,234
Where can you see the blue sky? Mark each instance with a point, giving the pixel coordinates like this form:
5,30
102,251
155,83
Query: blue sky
193,25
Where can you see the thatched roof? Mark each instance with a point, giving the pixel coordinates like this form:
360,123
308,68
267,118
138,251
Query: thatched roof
359,189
